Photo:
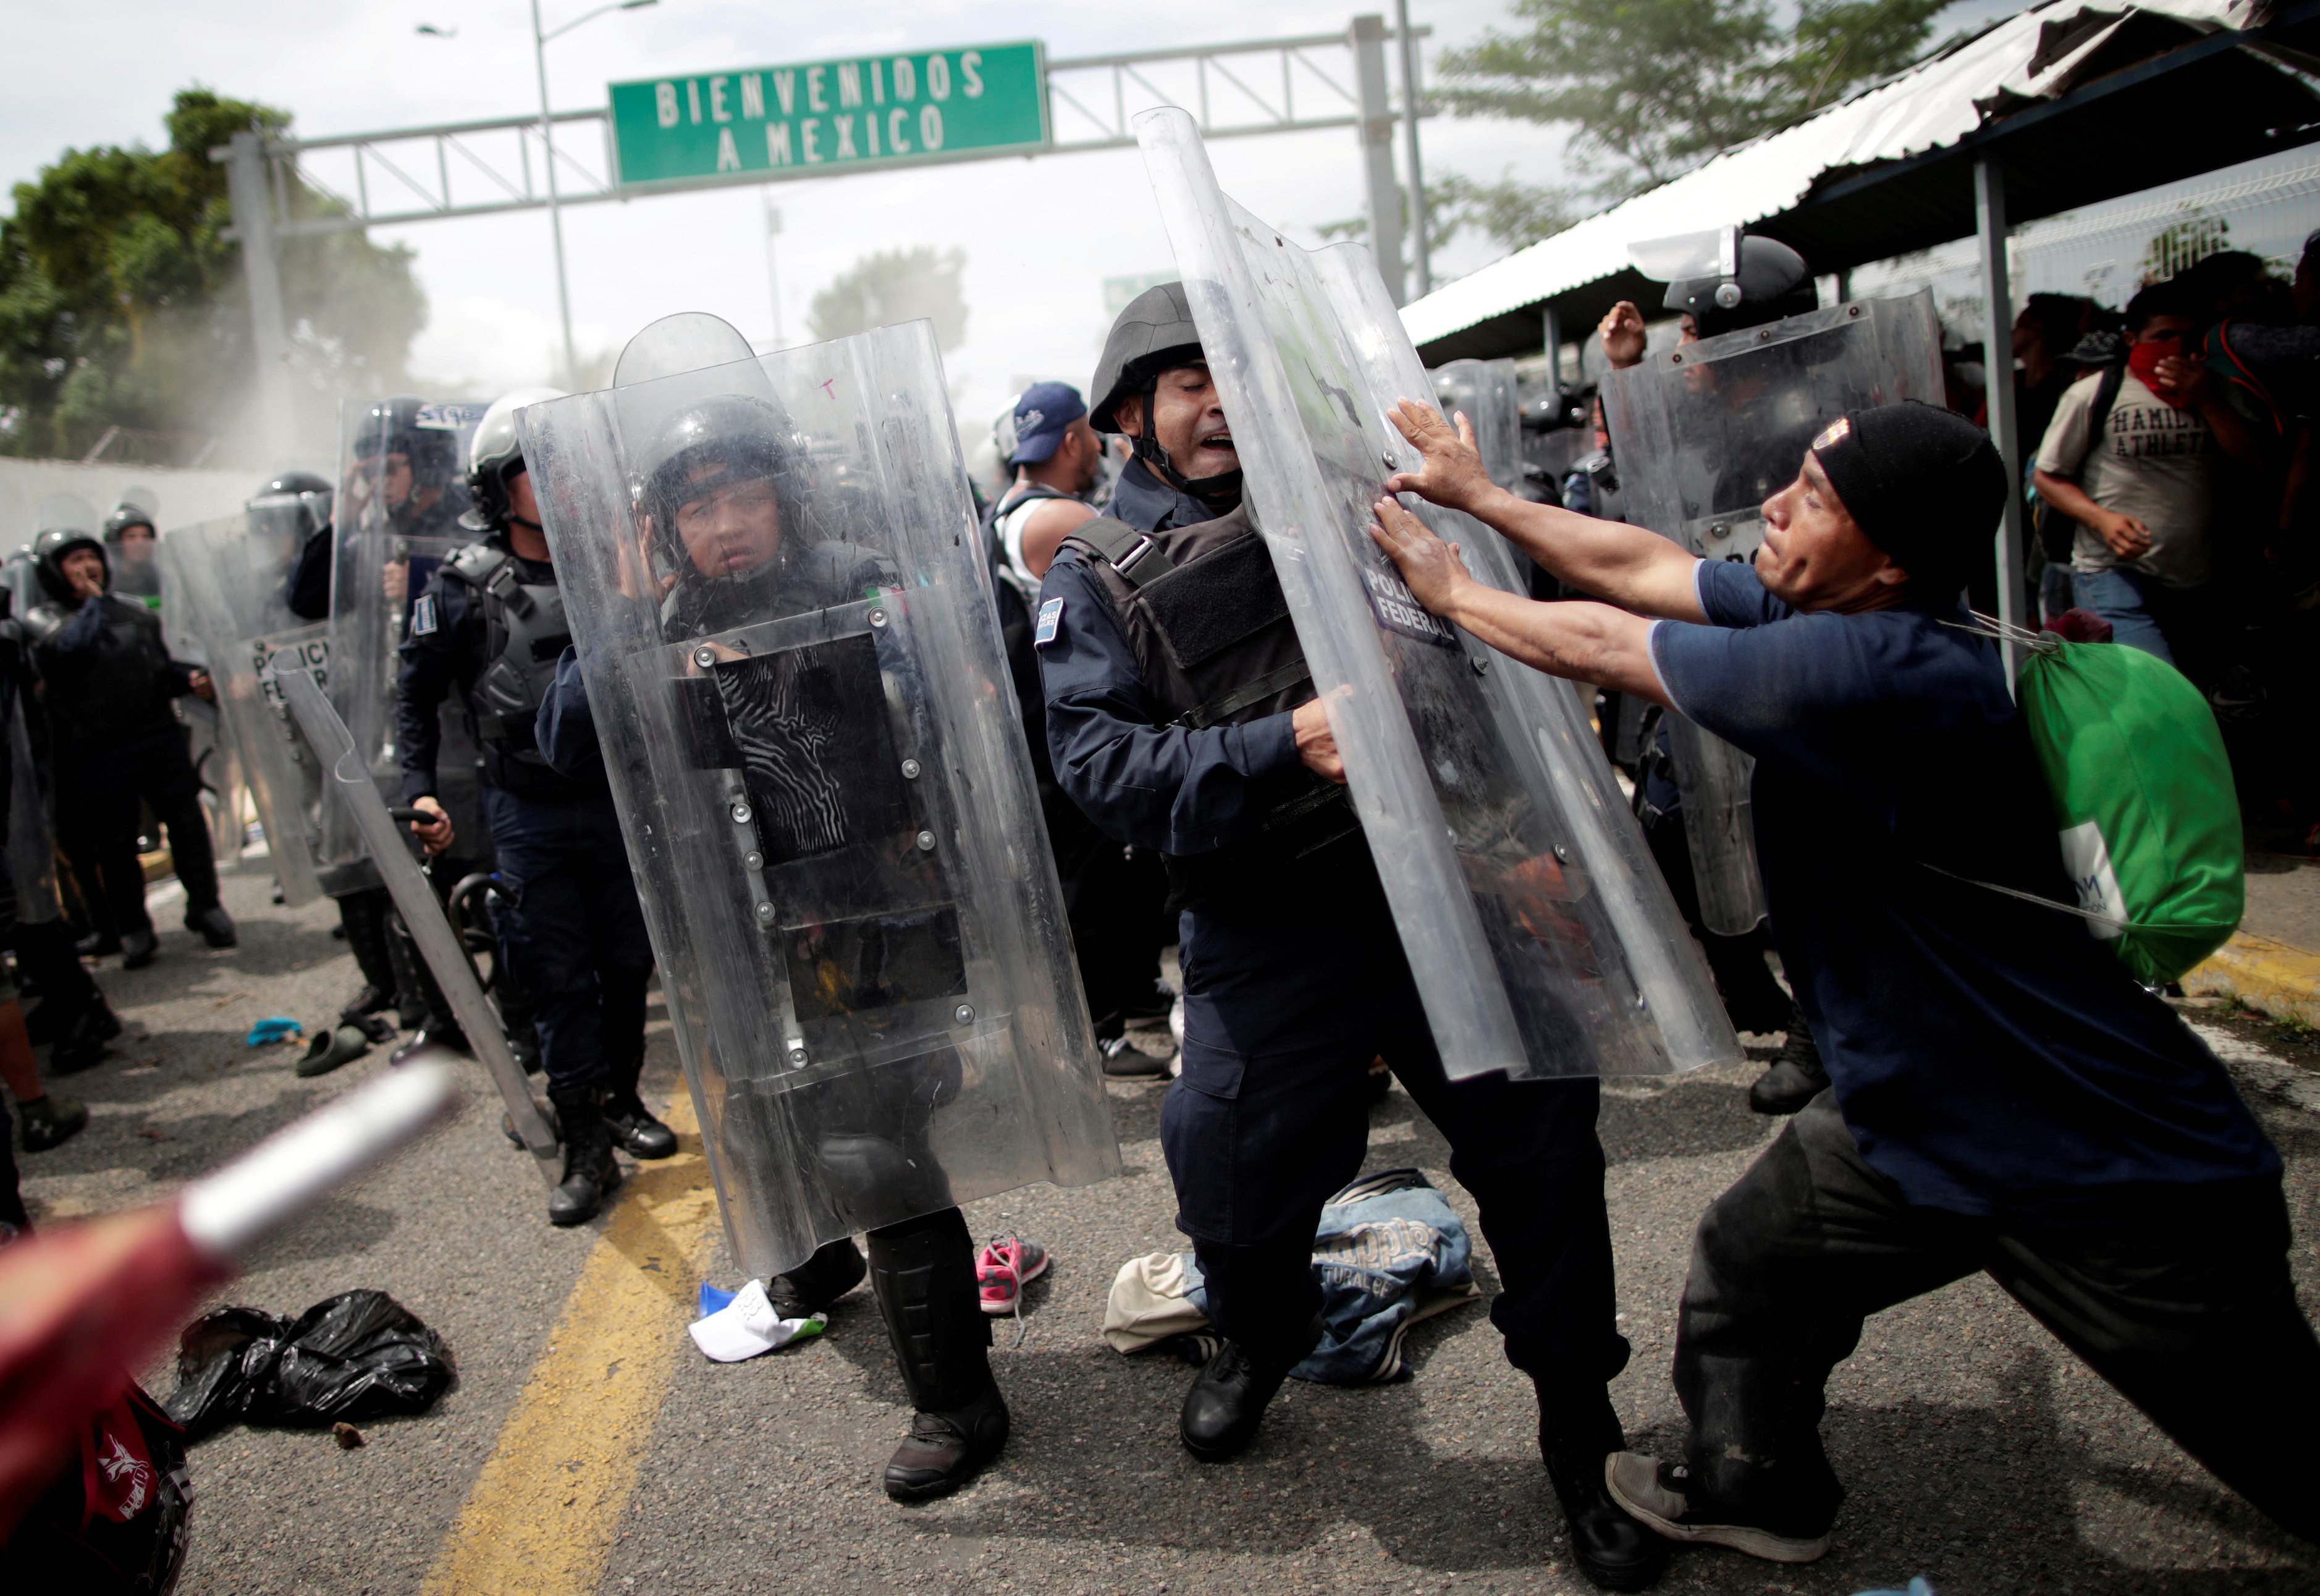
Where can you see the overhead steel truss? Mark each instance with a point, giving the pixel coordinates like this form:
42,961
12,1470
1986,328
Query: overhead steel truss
1306,84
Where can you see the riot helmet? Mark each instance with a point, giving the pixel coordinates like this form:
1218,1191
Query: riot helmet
291,506
495,458
133,510
49,551
707,451
1725,279
1156,334
398,426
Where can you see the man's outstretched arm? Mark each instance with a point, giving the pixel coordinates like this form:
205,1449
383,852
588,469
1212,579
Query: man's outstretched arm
1629,566
1581,642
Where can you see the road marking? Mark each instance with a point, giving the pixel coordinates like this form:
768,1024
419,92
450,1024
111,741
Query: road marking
2277,977
543,1513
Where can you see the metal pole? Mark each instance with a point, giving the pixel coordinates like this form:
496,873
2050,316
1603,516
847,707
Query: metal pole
555,213
1553,318
1998,362
773,283
1375,130
1421,253
253,222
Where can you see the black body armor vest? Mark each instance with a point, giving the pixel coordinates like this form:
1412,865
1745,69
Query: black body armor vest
113,694
524,634
1202,610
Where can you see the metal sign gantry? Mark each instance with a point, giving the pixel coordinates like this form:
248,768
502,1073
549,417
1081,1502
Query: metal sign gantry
1311,83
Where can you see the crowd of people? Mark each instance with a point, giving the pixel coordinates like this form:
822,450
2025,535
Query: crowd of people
1965,1088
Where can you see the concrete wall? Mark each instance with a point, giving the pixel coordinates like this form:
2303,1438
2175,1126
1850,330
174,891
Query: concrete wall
185,496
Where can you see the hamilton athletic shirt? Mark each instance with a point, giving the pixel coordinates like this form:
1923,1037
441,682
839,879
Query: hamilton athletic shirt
1992,1057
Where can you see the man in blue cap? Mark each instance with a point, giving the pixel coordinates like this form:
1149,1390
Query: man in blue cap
1113,895
1058,462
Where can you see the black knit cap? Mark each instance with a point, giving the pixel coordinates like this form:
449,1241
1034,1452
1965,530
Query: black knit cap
1926,484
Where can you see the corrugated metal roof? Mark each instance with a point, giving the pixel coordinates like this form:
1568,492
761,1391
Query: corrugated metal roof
2026,61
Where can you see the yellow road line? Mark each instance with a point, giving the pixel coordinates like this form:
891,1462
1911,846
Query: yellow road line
2277,977
541,1517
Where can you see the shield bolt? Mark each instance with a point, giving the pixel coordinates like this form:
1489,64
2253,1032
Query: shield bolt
753,860
797,1056
765,914
704,656
963,1013
1481,668
1562,853
741,813
910,769
877,617
927,841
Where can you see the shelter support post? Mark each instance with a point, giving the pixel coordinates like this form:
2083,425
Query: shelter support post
261,270
1421,253
1998,361
1554,329
1375,130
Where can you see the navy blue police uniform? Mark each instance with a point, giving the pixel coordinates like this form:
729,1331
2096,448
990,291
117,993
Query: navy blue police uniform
491,624
1293,973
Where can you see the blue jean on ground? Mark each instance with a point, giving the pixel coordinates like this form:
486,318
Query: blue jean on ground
572,932
2139,609
1270,1118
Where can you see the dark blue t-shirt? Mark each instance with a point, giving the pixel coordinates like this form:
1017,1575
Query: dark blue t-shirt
1991,1057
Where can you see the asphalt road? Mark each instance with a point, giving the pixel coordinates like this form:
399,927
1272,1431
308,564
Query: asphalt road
1979,1454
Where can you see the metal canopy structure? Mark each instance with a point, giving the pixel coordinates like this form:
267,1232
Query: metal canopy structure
2066,101
2047,110
1309,83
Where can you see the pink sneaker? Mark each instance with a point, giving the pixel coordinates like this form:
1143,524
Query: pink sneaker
1005,1267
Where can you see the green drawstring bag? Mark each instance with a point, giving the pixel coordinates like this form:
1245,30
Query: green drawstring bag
2142,794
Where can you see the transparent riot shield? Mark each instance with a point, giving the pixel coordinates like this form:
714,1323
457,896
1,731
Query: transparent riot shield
1543,942
1484,391
232,575
1704,433
352,788
402,490
31,853
793,656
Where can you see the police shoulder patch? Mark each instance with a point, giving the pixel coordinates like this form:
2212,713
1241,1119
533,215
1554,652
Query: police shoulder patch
1051,615
423,616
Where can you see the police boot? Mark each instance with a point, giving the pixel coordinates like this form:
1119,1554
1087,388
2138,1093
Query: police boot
1578,1433
1796,1078
80,1042
590,1171
1231,1393
634,1129
139,949
366,929
412,1007
214,926
835,1269
923,1272
50,1121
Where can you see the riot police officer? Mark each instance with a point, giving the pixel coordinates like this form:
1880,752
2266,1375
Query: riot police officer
737,539
1180,716
131,546
1747,451
491,624
107,681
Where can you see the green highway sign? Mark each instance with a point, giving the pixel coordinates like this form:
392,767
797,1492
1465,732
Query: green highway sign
819,118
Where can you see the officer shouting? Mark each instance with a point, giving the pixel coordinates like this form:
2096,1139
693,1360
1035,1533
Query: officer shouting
492,623
1181,717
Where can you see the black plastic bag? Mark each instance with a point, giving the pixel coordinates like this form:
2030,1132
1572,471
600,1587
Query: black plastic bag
357,1355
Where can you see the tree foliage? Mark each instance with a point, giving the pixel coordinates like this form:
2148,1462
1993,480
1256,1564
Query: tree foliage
1510,212
894,285
122,306
1653,88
